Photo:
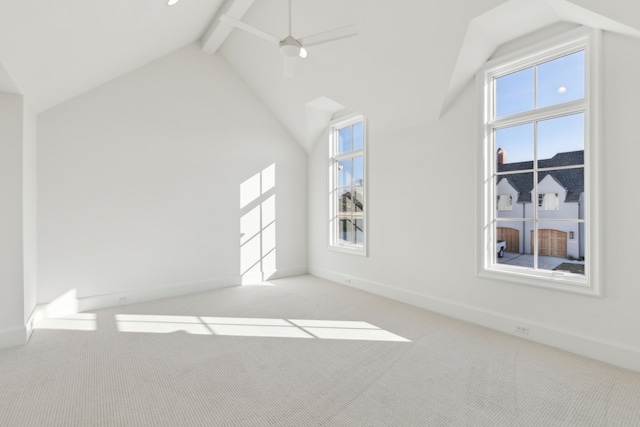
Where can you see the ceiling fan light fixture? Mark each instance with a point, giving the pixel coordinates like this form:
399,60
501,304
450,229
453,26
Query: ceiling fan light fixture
291,47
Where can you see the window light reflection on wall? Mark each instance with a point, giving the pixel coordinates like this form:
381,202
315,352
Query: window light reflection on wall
258,227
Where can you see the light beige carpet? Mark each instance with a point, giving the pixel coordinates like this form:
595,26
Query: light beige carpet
303,352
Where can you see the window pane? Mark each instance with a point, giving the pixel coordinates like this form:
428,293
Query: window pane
514,148
568,185
344,200
359,231
358,199
344,140
514,93
358,171
561,141
561,80
345,231
345,215
560,247
511,241
358,136
358,215
344,173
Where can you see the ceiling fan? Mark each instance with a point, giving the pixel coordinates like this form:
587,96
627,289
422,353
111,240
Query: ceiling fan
290,46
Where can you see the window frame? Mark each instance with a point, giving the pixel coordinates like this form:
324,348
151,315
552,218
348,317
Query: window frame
538,53
333,242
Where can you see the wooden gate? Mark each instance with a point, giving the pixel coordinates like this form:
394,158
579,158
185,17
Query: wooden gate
511,236
551,243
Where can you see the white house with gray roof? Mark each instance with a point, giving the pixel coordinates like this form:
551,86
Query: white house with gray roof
559,199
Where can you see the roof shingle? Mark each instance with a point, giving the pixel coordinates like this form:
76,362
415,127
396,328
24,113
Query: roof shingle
571,180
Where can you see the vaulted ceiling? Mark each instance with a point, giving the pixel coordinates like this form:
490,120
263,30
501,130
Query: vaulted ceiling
408,63
55,50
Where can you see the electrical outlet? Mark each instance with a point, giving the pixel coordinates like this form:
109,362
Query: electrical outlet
521,329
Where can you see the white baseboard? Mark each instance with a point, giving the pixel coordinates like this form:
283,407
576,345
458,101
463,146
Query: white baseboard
260,277
139,296
288,272
73,305
14,337
614,353
19,335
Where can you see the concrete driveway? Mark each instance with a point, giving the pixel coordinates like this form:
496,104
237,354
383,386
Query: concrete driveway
526,260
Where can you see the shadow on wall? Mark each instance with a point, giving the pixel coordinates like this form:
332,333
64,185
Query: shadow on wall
258,227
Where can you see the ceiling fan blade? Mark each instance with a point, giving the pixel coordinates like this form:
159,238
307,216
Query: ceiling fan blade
248,28
329,36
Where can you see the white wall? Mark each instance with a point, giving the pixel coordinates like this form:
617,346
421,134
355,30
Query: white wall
11,220
425,253
139,182
30,206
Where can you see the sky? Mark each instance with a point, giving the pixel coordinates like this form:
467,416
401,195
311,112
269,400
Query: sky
558,81
351,138
558,135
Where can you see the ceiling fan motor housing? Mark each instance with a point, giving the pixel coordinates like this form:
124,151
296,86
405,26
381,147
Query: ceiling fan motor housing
290,46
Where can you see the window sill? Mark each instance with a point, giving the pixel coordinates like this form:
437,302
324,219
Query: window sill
353,250
571,283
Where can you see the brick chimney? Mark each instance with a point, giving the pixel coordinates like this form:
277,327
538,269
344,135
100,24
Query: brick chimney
502,156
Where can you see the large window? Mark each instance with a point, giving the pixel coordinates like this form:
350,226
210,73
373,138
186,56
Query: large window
347,220
539,174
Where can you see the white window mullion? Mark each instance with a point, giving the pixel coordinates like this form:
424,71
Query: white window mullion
551,112
534,196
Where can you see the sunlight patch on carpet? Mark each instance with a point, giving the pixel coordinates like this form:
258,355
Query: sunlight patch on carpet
255,327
